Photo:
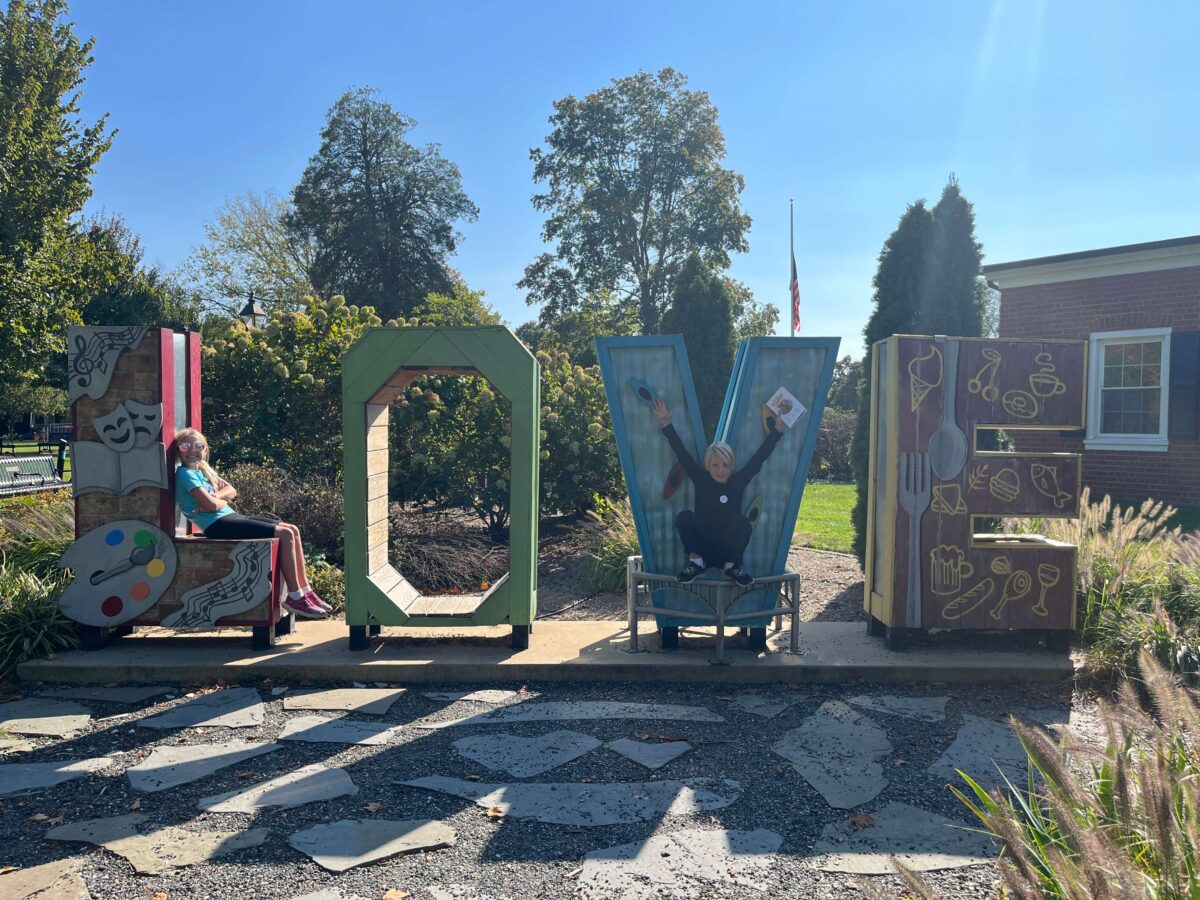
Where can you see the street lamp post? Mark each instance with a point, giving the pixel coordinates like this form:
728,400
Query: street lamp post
252,314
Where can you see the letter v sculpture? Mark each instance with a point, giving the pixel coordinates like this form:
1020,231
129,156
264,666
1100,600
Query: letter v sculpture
638,370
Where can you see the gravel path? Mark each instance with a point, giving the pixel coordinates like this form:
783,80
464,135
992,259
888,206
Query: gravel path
494,856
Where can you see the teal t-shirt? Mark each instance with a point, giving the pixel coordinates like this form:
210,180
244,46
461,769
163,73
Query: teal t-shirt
185,481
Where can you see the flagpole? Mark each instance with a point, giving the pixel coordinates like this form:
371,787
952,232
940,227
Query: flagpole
792,239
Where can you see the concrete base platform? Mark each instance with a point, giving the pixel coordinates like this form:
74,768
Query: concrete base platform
558,651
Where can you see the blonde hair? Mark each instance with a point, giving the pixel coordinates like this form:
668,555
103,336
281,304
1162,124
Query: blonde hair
205,469
720,450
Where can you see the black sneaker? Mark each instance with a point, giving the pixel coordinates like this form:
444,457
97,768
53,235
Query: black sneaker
740,575
690,572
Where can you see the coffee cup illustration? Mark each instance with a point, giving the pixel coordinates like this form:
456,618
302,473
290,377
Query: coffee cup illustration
948,569
1046,384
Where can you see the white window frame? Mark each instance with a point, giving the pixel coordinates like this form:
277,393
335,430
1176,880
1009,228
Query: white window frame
1096,439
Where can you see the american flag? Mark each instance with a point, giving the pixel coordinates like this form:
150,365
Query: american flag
794,288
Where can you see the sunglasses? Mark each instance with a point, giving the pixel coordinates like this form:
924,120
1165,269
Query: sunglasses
189,445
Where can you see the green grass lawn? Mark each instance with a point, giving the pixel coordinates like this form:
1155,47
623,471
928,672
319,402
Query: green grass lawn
824,521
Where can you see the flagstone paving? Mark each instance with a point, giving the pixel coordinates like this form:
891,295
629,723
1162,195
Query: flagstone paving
317,730
524,757
309,784
168,767
798,803
152,850
484,696
374,701
228,708
652,756
591,804
59,880
839,752
43,717
344,845
684,864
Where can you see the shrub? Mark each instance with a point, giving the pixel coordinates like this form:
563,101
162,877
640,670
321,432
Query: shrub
36,531
1129,827
31,624
328,581
831,457
310,501
443,551
1137,584
614,540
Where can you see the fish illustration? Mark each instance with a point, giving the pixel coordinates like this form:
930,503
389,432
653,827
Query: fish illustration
674,479
1045,479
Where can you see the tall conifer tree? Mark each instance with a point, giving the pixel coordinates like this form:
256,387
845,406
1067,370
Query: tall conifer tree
955,299
701,311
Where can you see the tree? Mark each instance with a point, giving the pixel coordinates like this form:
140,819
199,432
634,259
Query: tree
955,298
750,318
575,332
47,156
380,211
462,306
634,185
901,290
248,249
700,311
843,389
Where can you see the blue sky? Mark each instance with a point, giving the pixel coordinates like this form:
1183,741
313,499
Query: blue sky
1069,125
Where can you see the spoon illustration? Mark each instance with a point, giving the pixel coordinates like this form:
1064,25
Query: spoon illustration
948,445
139,557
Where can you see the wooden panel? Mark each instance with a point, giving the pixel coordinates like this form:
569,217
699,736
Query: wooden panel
377,557
377,509
377,438
445,605
376,415
386,578
962,580
377,487
377,462
377,535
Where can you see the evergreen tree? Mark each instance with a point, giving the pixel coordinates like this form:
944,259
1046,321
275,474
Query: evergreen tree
955,300
701,311
902,285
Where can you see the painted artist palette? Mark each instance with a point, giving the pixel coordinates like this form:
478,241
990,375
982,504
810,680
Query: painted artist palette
121,570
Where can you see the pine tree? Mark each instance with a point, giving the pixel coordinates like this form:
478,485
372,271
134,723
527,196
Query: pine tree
902,290
701,311
955,299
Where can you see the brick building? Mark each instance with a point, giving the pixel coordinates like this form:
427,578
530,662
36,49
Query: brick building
1138,306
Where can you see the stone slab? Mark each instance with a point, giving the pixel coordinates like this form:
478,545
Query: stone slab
758,706
156,850
59,880
343,845
524,757
492,696
373,701
591,804
110,694
689,863
583,710
45,717
652,756
982,748
838,751
227,708
316,730
15,745
921,840
168,767
308,784
563,651
923,709
22,778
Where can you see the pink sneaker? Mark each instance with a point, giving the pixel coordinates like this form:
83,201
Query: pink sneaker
302,607
316,601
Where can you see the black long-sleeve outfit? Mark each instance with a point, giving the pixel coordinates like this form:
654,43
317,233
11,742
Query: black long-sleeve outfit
717,530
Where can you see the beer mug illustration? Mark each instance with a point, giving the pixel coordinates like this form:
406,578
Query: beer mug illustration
948,569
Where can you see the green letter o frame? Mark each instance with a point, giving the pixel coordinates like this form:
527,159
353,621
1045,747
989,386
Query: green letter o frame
375,371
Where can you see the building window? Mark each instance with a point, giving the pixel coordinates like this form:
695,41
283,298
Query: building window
1127,395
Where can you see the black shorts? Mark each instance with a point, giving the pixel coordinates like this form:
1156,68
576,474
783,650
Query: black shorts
237,527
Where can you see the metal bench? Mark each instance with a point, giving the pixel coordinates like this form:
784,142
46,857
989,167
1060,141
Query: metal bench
29,475
719,595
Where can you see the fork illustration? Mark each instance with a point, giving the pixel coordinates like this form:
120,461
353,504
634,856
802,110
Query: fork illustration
915,484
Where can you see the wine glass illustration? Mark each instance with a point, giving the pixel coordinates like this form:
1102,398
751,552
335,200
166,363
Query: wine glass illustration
1048,576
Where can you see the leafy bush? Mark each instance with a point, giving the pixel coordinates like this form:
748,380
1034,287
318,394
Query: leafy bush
831,457
614,540
312,502
1130,827
31,624
328,581
1138,584
35,531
